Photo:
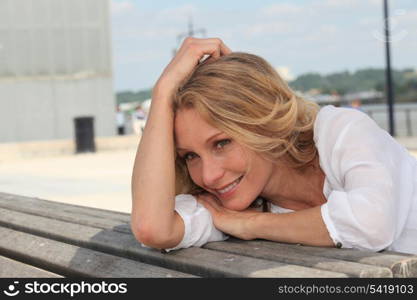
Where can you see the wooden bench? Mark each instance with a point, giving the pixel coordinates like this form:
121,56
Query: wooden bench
41,238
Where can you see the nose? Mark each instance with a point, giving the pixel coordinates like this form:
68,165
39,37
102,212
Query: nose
212,172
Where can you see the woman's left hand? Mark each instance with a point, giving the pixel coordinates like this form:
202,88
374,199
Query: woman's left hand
235,223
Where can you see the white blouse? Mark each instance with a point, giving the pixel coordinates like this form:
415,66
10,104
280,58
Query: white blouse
370,187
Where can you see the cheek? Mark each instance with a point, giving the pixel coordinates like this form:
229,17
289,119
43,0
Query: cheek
195,174
237,158
259,173
257,177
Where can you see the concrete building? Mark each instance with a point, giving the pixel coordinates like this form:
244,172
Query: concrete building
55,65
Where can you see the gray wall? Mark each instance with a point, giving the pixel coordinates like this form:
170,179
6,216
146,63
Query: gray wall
55,64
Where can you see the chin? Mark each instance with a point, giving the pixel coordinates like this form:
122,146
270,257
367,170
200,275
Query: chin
236,205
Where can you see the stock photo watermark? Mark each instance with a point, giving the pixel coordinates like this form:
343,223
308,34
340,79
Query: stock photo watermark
11,290
71,289
396,32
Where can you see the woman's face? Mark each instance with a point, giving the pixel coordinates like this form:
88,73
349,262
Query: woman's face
217,163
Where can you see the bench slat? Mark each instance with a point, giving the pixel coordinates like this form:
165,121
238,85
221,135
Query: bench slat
71,213
353,269
198,261
71,261
6,198
11,268
397,262
401,264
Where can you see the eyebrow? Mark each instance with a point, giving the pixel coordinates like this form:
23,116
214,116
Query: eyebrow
207,141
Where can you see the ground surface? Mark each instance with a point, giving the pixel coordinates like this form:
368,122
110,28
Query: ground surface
99,180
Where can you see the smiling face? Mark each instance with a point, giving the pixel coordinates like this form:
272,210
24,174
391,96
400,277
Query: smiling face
219,164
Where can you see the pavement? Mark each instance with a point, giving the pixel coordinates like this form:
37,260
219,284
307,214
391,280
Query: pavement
100,179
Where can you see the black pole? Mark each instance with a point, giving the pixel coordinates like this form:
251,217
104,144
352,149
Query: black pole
191,32
389,81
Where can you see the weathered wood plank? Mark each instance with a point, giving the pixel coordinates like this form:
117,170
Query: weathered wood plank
201,262
352,269
77,209
11,268
71,213
71,261
401,265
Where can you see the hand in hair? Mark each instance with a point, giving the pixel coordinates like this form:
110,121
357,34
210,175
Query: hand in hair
154,222
191,52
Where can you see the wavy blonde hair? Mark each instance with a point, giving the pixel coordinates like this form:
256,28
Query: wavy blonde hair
243,96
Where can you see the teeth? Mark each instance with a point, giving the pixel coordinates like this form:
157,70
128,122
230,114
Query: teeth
228,188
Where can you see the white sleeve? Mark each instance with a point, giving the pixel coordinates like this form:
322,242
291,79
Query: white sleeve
362,158
199,228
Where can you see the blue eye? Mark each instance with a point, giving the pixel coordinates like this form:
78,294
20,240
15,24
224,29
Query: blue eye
220,144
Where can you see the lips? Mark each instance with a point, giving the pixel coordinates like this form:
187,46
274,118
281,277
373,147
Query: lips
229,187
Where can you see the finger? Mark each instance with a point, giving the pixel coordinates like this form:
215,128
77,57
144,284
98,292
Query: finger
205,58
207,205
202,202
199,52
211,50
213,203
252,209
191,42
210,199
209,60
223,48
217,204
211,47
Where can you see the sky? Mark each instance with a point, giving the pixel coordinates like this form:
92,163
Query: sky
296,37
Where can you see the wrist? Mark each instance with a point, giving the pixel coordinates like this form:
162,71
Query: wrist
161,100
162,96
254,225
163,89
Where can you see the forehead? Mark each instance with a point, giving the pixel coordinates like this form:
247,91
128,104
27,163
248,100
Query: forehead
191,128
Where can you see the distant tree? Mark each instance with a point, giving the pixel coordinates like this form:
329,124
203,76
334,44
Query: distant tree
307,82
129,96
405,82
335,83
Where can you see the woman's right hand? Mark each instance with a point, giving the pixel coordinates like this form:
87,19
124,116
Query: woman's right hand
186,59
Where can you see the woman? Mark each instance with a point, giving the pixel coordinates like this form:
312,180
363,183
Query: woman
224,133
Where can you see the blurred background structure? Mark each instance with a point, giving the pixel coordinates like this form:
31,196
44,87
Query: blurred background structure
55,66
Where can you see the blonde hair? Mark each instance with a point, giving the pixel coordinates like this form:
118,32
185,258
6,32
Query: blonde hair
242,95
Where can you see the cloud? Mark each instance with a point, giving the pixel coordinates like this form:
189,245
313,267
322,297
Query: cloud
285,73
177,14
281,9
406,16
144,56
121,7
146,32
270,28
299,36
348,4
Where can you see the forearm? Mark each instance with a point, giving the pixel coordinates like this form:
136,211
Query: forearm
300,227
153,178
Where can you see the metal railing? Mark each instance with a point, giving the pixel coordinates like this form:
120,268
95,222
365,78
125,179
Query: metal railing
405,118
